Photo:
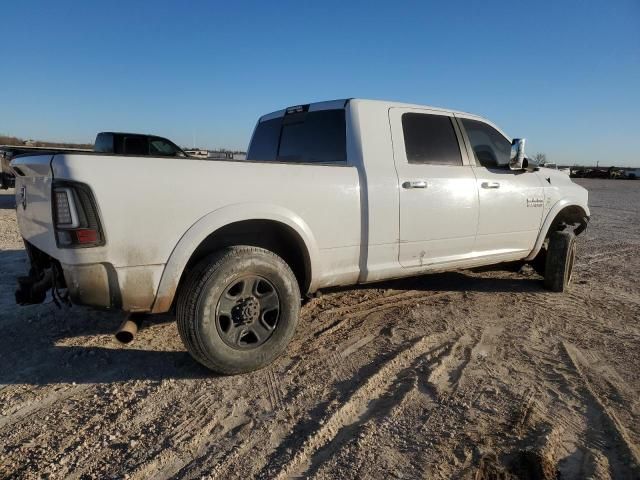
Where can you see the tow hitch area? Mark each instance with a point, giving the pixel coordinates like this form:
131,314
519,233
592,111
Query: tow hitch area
33,289
45,274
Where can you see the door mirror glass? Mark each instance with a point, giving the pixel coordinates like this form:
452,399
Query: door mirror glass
518,161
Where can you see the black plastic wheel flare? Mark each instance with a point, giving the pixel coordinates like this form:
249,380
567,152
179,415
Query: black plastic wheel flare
248,311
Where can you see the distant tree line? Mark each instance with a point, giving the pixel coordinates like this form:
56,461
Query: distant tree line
7,140
540,158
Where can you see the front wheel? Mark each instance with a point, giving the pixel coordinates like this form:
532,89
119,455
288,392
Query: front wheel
238,309
560,257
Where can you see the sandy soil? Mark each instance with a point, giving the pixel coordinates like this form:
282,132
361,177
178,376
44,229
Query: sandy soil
471,374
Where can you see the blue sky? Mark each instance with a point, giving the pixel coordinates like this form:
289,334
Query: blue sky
564,74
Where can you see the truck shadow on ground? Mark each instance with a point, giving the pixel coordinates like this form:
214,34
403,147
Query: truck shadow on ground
50,356
44,344
499,278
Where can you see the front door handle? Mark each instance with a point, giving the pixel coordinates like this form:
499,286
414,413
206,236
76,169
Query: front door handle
490,185
415,184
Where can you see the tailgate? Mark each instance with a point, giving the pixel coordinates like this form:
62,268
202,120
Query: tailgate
33,200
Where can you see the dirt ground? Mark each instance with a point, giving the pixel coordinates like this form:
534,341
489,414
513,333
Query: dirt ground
472,374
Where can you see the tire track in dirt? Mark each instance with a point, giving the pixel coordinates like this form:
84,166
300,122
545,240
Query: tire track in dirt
35,407
601,256
629,449
355,406
446,375
193,435
339,361
134,415
273,389
342,368
125,406
586,433
375,306
574,307
524,411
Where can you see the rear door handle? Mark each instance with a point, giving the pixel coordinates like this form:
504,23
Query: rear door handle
490,185
415,184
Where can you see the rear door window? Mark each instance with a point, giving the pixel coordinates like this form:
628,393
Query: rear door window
136,145
430,139
302,137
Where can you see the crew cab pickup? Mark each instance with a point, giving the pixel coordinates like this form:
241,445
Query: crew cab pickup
136,144
332,193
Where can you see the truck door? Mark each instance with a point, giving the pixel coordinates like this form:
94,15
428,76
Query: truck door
511,202
437,188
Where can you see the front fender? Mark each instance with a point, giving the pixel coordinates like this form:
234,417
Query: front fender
212,222
553,213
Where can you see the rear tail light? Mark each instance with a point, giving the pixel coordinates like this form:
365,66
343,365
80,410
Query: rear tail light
75,216
62,207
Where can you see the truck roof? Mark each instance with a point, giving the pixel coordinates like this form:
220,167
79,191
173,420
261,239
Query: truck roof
341,103
134,133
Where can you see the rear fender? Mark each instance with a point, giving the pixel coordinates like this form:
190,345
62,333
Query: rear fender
212,222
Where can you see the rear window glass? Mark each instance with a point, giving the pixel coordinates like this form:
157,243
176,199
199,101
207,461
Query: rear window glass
430,139
306,137
264,144
320,137
104,143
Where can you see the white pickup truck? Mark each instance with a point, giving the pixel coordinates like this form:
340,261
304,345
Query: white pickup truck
333,193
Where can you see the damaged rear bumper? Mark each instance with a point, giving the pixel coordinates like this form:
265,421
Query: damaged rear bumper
100,285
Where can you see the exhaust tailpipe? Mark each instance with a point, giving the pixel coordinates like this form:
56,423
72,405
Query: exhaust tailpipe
127,331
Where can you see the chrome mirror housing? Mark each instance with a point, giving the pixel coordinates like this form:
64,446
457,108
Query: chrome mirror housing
518,161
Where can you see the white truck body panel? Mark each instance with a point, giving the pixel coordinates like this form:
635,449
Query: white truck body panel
438,222
357,222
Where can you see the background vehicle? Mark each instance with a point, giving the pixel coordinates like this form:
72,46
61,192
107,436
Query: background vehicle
136,144
197,153
6,175
106,142
554,166
333,193
8,152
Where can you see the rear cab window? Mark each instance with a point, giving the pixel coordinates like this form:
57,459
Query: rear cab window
301,136
104,143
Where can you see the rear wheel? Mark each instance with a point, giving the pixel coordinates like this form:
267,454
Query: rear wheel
560,258
238,309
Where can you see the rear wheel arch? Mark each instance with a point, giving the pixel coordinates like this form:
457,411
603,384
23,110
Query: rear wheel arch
272,235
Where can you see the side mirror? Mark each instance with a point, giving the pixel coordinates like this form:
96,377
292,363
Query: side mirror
518,161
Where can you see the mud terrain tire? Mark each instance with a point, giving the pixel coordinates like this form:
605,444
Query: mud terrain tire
238,309
561,255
